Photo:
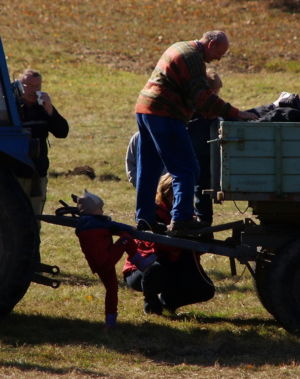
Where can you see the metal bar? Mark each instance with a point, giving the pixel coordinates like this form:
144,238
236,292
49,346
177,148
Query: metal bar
232,266
218,228
40,279
59,220
278,160
250,269
243,253
42,267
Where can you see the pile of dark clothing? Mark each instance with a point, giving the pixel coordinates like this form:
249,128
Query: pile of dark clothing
285,109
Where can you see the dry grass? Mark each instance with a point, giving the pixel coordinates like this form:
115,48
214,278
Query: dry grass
131,34
94,56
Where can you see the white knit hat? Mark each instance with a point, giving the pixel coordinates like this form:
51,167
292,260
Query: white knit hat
89,203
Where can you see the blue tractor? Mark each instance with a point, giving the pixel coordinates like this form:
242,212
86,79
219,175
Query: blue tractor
19,236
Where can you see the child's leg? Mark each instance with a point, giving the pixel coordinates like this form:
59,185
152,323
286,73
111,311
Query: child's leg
108,277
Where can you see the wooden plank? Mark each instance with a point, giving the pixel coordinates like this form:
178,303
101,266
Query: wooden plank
249,183
261,166
260,149
260,157
260,183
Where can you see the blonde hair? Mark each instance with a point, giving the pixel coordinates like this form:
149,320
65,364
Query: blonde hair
164,191
213,79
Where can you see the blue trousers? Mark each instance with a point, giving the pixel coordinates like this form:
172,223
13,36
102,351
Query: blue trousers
165,142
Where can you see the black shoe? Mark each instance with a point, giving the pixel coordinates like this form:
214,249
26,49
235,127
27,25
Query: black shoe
167,309
185,228
153,306
156,227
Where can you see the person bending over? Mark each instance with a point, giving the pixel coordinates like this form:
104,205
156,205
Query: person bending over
177,89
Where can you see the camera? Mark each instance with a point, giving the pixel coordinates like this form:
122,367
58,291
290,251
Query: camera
39,97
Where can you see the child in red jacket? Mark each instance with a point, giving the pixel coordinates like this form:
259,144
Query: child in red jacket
102,253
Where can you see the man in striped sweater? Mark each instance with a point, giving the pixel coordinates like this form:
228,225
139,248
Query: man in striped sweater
177,89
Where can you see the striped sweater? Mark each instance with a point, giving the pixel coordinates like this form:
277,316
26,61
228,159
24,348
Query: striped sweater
178,86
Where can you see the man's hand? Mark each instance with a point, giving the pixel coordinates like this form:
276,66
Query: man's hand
45,101
243,115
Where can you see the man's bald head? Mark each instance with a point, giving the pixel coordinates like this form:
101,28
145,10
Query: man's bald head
215,44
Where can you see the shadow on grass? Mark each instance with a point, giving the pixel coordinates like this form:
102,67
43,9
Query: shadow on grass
81,280
77,280
50,370
244,341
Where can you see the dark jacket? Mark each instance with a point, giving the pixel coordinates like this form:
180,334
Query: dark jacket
288,110
54,124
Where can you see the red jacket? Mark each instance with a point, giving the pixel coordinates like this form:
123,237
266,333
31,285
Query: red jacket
170,253
102,253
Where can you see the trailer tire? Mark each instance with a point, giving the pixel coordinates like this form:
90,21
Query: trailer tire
19,242
281,287
262,279
284,276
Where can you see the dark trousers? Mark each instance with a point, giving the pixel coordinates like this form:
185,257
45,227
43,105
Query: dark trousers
199,130
179,283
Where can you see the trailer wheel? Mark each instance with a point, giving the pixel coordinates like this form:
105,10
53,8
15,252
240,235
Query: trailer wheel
19,242
262,280
279,290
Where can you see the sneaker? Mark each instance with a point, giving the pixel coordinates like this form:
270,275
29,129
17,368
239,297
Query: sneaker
185,228
156,227
142,262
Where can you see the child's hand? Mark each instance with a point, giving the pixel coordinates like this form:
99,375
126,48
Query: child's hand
128,242
126,236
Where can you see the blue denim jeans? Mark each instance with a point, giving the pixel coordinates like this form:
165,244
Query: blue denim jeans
164,142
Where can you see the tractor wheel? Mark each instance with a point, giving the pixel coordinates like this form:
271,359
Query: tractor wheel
278,286
19,242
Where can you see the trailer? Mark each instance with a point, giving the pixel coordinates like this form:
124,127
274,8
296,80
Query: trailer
258,163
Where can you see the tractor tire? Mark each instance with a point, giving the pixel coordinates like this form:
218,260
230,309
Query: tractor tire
19,242
278,286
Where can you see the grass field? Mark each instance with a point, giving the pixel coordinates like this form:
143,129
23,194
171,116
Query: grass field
95,56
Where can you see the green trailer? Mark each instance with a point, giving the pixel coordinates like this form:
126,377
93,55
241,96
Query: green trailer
260,163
